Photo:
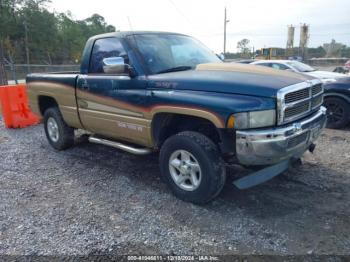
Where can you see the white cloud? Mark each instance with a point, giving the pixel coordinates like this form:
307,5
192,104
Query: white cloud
263,22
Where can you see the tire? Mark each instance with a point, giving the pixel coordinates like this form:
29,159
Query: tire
64,137
210,177
338,112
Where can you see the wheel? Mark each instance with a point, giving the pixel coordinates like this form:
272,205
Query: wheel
192,167
59,134
338,112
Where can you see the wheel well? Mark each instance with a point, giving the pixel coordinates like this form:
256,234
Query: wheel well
341,97
165,125
46,102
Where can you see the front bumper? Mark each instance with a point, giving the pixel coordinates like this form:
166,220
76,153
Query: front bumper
271,146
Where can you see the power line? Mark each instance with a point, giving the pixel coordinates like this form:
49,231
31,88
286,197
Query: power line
179,11
225,24
273,35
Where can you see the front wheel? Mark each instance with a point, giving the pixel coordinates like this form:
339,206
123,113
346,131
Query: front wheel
192,167
338,112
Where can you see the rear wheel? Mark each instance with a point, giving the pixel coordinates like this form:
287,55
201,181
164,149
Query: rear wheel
58,133
338,112
192,167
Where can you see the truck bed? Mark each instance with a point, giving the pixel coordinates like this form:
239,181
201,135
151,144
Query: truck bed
59,86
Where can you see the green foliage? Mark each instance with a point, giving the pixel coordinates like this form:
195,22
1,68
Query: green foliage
243,46
229,55
51,38
317,52
345,51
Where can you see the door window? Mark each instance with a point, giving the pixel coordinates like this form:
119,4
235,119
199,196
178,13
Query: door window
265,64
105,48
279,66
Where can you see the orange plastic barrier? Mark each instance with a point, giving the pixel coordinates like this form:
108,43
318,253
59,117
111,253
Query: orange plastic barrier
15,108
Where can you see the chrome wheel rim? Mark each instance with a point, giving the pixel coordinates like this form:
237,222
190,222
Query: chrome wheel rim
52,129
185,170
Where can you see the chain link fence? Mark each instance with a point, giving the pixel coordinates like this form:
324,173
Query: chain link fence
16,73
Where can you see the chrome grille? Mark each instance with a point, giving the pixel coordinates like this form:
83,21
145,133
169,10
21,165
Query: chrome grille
317,101
299,100
297,95
297,109
316,89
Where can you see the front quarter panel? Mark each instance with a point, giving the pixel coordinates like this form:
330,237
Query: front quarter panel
216,107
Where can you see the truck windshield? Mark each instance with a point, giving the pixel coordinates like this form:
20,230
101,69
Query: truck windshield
301,67
164,53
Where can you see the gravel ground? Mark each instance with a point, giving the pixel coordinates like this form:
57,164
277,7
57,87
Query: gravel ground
93,199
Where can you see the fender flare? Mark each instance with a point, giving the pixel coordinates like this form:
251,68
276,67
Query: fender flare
346,98
214,118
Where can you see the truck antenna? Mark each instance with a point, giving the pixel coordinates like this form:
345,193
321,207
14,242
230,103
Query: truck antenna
130,25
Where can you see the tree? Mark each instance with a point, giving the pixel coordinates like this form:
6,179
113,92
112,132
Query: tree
316,52
243,46
345,51
8,23
41,36
29,30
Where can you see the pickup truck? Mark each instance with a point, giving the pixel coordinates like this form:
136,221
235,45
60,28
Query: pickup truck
166,93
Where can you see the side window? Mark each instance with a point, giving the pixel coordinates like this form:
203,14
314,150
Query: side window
265,64
279,66
104,48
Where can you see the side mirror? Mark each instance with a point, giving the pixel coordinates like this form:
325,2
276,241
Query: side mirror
115,65
221,56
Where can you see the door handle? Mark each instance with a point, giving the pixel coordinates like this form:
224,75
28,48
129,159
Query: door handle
82,103
85,86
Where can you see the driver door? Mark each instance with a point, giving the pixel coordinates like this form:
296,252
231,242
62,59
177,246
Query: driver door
111,104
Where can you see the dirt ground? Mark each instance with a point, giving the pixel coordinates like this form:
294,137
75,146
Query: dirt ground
92,199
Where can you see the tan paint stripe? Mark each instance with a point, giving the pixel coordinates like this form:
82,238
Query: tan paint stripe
111,109
243,68
147,112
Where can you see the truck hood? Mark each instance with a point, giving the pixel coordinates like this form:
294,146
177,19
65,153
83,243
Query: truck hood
229,78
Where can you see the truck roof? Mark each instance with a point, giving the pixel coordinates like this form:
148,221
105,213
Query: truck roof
128,33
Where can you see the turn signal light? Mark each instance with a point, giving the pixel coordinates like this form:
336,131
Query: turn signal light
231,122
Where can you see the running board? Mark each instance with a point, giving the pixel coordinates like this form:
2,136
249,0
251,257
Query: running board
126,148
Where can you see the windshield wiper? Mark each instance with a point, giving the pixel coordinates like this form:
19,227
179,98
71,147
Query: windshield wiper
175,69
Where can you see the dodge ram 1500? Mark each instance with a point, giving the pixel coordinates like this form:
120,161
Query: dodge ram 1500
145,92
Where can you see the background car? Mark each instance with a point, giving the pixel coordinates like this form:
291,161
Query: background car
341,69
337,89
300,67
245,61
337,102
347,65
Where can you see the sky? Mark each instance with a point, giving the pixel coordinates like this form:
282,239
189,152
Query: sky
264,23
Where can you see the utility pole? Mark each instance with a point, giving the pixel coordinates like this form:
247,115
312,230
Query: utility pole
225,23
26,44
3,78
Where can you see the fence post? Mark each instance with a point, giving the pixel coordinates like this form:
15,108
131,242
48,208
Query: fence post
3,78
13,71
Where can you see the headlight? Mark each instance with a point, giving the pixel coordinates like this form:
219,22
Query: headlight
252,119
